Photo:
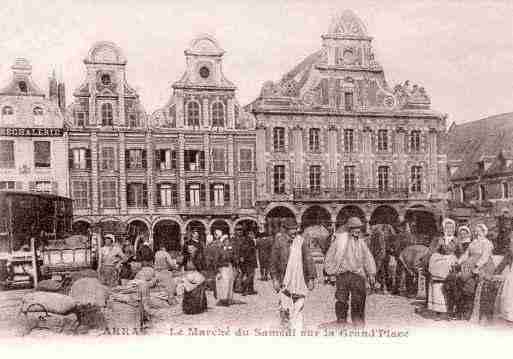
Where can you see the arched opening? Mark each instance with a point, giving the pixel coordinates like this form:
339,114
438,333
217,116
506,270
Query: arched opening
248,225
422,221
350,211
316,215
221,225
117,228
167,232
198,226
81,227
384,215
276,217
137,228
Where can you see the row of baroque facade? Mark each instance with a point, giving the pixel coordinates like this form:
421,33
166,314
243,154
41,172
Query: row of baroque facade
329,140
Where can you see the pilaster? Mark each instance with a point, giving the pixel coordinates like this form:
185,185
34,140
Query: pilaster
94,173
122,173
181,177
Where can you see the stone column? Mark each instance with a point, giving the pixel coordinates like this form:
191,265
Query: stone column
433,161
332,156
121,120
205,123
260,165
230,114
298,158
368,176
231,168
206,149
94,174
122,173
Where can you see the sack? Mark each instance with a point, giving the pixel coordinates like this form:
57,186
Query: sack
49,285
51,302
195,301
89,291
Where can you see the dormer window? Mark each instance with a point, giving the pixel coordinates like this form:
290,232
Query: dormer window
38,111
105,79
22,85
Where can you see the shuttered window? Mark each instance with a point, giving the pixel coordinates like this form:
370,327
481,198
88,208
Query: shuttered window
383,178
279,179
135,159
109,194
415,141
279,139
349,178
315,178
245,160
416,179
80,158
246,194
6,154
108,158
314,140
80,194
167,195
218,160
137,195
382,140
348,140
165,159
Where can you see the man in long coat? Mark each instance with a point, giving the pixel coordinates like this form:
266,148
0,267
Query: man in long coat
264,246
350,260
248,262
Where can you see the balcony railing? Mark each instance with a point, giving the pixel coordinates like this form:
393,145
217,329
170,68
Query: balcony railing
359,193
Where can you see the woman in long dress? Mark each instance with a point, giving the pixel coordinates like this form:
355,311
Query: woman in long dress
475,262
441,262
504,272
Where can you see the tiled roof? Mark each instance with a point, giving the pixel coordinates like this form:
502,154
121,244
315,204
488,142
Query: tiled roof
474,141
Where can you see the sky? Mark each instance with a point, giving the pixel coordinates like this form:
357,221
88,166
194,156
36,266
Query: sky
461,52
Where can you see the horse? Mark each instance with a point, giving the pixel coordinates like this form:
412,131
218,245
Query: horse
380,237
412,258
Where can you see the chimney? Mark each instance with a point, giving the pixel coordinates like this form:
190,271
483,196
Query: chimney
52,88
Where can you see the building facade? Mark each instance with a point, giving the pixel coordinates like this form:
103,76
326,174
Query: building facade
190,165
480,165
335,140
32,136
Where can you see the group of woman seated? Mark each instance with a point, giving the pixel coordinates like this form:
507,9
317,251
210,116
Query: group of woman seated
466,281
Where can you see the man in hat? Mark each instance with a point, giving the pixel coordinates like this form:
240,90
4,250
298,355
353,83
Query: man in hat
248,262
350,260
293,273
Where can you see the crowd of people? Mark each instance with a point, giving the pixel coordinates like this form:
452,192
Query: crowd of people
458,265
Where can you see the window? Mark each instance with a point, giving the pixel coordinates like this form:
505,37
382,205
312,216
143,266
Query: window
279,179
218,160
136,195
349,178
38,111
80,120
279,139
246,194
7,111
105,79
165,159
348,101
193,114
167,195
195,194
415,141
107,118
22,85
6,154
383,174
80,158
314,136
505,190
217,114
194,160
7,185
108,158
80,194
348,140
246,160
416,179
315,178
109,194
132,120
382,140
44,186
136,159
42,154
482,193
217,194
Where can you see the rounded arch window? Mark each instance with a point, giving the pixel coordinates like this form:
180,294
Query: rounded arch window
7,111
193,113
218,114
38,111
105,79
107,117
22,86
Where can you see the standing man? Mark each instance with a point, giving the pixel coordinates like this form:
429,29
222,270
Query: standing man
293,273
248,262
264,247
350,260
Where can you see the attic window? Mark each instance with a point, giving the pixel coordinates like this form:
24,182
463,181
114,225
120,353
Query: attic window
38,111
105,80
7,111
22,86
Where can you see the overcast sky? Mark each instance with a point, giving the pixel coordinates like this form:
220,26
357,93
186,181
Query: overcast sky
460,51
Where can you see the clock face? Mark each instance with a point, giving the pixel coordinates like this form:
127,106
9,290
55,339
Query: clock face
204,72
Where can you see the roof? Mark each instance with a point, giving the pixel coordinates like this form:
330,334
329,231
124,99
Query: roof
489,139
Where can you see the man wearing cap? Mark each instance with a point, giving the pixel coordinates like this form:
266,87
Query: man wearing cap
293,273
248,262
350,260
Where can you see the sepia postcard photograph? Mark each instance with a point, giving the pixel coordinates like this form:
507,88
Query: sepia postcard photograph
288,171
